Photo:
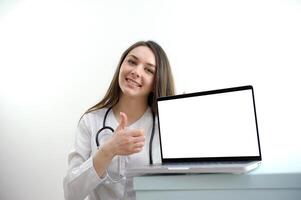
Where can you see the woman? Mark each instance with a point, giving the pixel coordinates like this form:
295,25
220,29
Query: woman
142,75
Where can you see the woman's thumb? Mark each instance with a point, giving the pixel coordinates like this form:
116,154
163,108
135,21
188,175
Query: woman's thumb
122,122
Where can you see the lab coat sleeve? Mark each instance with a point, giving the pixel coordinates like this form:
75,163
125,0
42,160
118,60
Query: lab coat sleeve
81,178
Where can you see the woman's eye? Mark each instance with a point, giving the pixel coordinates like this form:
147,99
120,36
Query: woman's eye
149,71
131,62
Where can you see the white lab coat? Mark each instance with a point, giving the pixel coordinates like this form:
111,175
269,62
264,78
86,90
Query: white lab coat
82,181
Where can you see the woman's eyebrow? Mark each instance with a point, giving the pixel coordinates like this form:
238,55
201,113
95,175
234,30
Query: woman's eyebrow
136,58
133,56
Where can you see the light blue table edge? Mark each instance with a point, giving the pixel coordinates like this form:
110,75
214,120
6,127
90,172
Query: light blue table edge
217,181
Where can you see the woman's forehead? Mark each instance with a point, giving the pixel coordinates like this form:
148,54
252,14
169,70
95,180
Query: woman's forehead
143,54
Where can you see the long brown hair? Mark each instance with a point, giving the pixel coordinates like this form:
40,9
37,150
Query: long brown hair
163,83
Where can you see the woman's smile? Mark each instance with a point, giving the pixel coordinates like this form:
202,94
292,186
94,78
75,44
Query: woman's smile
132,82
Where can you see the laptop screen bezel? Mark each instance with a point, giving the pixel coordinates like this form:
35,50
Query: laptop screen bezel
209,159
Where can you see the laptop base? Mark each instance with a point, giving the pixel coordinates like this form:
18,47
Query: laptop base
234,168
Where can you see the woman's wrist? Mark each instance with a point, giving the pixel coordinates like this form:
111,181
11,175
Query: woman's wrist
107,151
102,159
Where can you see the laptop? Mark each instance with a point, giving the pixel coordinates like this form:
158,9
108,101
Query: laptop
212,131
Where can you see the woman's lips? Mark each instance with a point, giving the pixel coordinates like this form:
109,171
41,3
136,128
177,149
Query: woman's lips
133,82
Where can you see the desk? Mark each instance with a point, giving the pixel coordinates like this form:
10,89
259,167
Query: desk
284,186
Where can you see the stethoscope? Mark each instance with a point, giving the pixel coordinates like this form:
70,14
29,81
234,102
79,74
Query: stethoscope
104,127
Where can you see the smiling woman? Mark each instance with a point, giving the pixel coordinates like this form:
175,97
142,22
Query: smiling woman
57,57
142,75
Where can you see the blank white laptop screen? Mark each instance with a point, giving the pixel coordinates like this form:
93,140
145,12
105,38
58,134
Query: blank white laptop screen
215,125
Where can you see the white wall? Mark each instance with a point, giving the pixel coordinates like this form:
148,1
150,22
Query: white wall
57,59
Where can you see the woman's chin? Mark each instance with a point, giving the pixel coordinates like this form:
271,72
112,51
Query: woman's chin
134,93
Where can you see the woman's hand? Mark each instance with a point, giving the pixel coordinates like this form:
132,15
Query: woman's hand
124,141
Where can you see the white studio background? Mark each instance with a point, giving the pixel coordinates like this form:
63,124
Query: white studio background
58,57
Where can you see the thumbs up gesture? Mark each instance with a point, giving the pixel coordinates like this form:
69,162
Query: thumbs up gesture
123,122
125,141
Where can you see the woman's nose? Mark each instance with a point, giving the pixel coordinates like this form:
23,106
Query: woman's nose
136,72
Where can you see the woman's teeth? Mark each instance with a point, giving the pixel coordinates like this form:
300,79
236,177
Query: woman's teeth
132,82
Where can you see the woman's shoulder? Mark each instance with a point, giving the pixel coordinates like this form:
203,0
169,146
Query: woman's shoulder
92,120
94,115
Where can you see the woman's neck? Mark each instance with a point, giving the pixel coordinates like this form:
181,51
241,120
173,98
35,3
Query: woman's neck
132,107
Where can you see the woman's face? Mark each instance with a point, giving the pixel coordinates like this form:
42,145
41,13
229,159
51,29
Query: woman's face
137,72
